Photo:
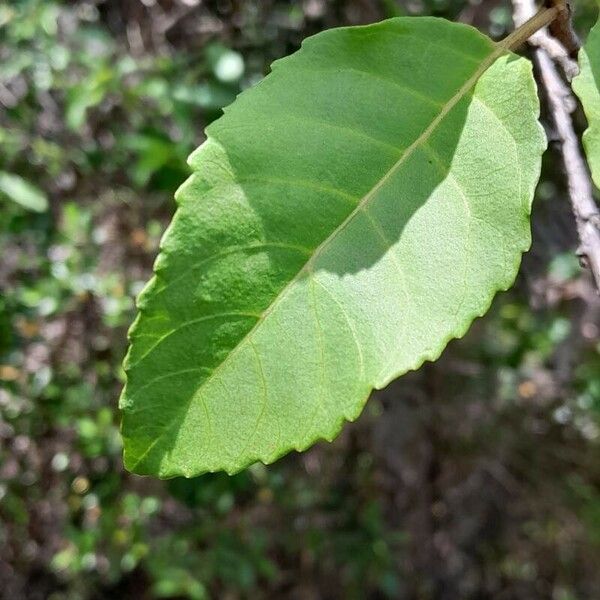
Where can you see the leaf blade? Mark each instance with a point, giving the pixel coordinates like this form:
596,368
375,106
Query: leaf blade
586,86
23,192
313,303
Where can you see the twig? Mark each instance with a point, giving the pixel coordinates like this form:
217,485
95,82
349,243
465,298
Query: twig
562,29
529,27
561,103
522,10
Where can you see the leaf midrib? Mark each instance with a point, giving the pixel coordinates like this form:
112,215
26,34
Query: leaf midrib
499,49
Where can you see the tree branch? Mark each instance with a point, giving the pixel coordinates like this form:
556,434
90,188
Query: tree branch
522,11
562,29
561,104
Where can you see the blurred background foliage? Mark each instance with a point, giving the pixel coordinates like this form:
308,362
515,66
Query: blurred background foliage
477,477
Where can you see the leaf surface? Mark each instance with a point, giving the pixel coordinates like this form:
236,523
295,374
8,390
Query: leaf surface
586,86
22,192
345,219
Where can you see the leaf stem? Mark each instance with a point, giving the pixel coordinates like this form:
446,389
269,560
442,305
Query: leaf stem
540,20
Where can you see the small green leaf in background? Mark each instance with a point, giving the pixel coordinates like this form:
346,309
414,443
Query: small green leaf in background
586,86
346,218
22,192
86,95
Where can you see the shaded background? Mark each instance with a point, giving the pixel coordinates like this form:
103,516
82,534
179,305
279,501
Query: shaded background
476,478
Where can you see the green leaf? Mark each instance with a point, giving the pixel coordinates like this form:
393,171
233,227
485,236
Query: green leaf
346,218
88,94
586,86
22,192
